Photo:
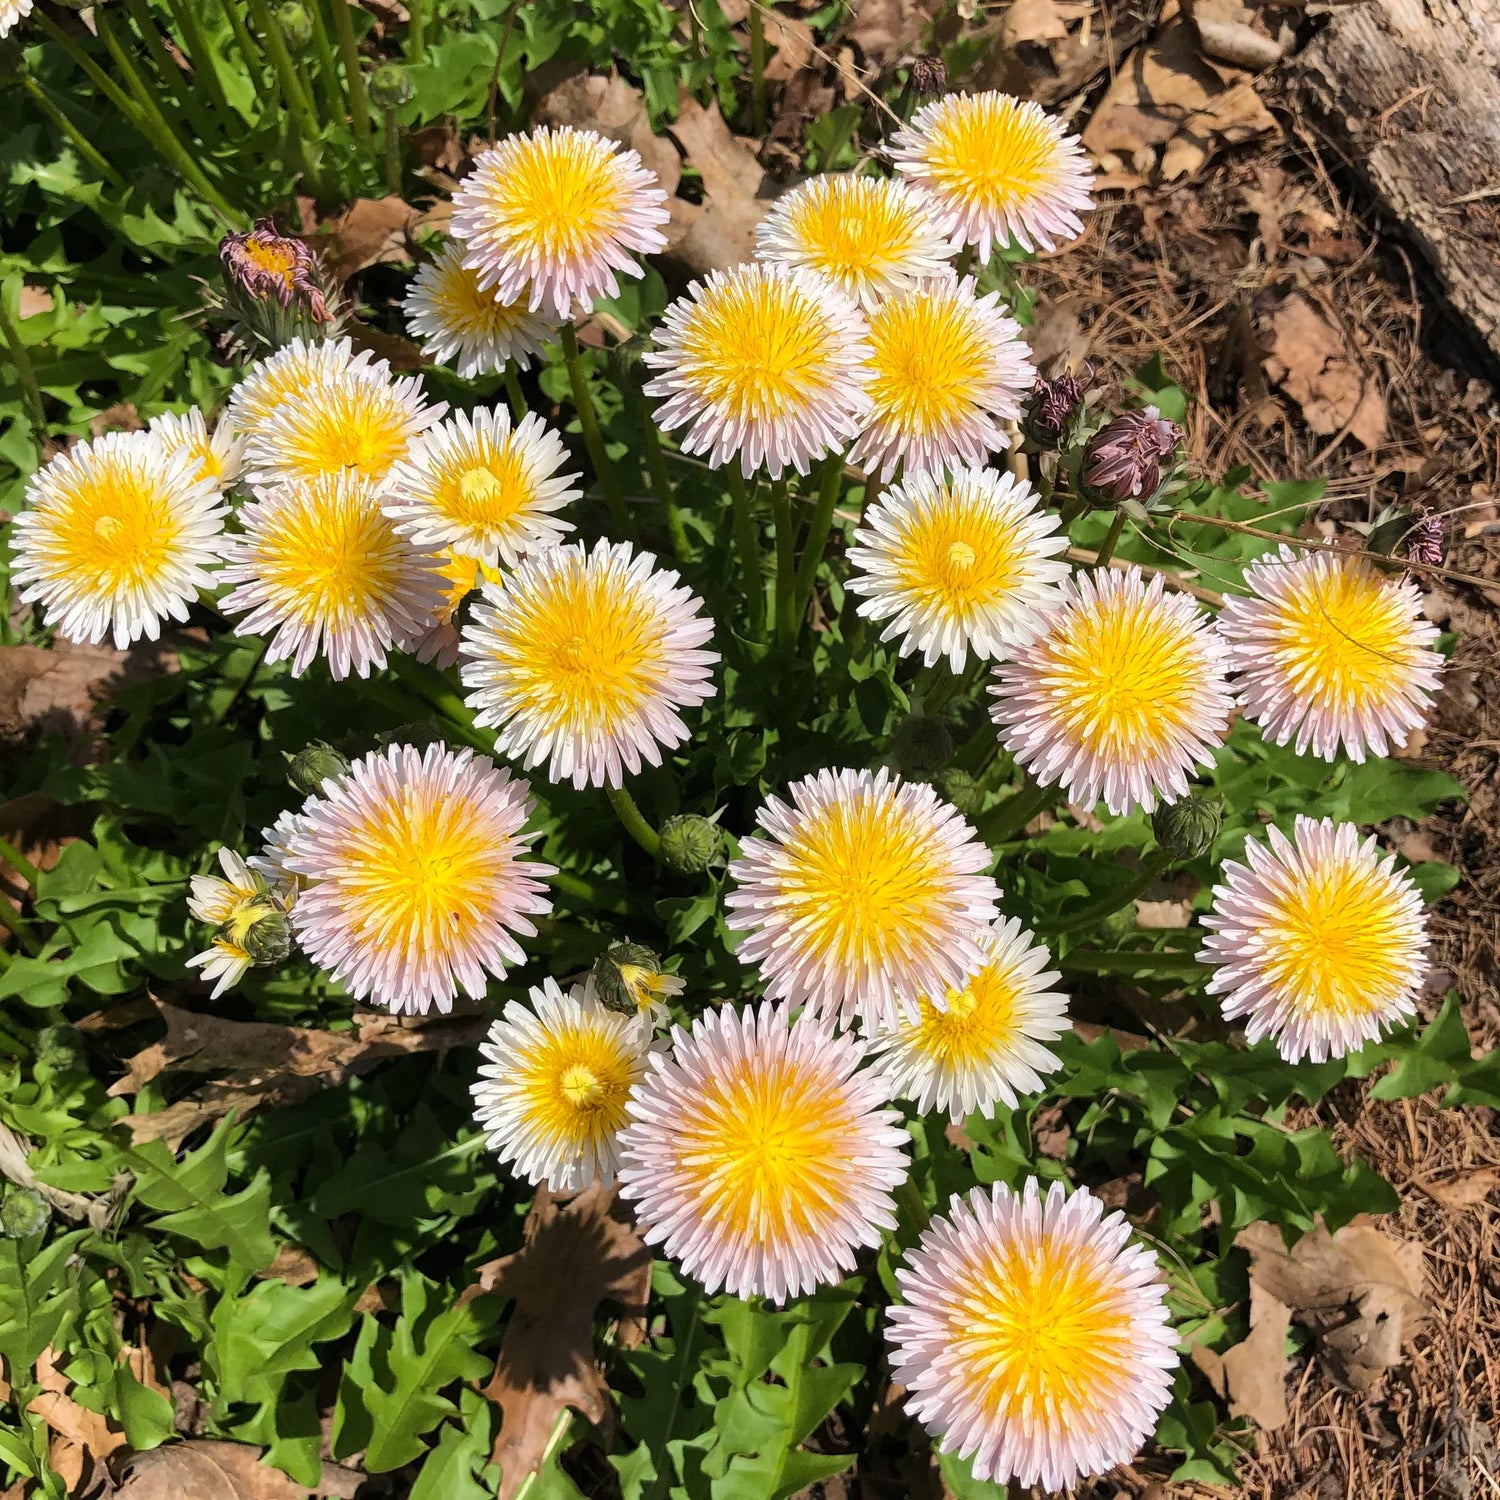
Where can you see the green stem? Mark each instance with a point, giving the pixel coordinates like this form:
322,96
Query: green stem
19,928
80,142
593,438
298,103
661,483
633,821
392,154
965,261
580,888
430,685
205,65
1111,537
1097,911
1096,961
817,536
415,46
354,77
31,392
170,74
254,58
328,72
747,544
244,683
513,391
757,68
1073,507
910,1206
1002,823
976,750
19,863
786,567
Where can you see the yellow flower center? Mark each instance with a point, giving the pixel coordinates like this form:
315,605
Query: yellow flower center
560,196
574,1082
991,152
929,359
1344,639
1333,941
484,487
982,1018
757,348
581,1086
346,427
114,530
276,260
458,299
959,554
850,228
462,575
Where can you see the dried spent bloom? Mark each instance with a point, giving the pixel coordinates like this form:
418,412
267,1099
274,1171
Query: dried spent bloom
116,536
764,363
585,659
959,566
1124,460
1330,653
948,369
759,1155
487,489
1121,695
216,456
1032,1336
551,1094
995,170
319,567
986,1046
263,263
870,236
859,896
1051,407
456,322
416,876
289,374
559,212
342,424
1424,542
1320,940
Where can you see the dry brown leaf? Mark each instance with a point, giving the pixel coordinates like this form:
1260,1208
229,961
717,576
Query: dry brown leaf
121,417
1057,338
574,1256
292,1265
1467,1190
206,1469
882,30
617,110
720,231
1234,33
398,352
1052,1132
370,231
1033,21
1311,362
34,300
1251,1375
85,1429
1359,1291
792,41
1163,915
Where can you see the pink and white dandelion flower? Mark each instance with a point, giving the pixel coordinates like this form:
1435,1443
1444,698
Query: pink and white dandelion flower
559,212
1320,941
1032,1337
760,1155
860,895
1120,696
762,363
290,373
1330,653
323,571
417,880
585,659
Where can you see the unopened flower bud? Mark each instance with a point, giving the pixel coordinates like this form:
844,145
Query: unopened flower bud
268,939
311,766
691,844
1188,827
390,85
921,745
295,25
929,78
628,980
1051,408
23,1213
1124,461
959,788
263,265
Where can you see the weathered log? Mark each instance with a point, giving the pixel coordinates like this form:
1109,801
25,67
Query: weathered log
1408,92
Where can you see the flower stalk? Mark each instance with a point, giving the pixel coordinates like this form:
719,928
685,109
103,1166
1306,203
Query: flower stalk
747,544
633,820
593,438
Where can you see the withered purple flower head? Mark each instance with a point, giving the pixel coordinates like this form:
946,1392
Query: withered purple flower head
263,263
1052,404
1124,461
1424,542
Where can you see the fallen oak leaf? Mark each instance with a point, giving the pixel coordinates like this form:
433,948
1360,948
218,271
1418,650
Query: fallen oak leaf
87,1429
1467,1190
720,231
574,1255
1251,1375
1311,362
207,1469
367,233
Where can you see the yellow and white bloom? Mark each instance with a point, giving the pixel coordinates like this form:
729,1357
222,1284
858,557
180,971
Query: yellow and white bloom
1120,697
1331,653
12,13
585,659
759,1155
559,212
948,368
1320,940
214,900
215,454
340,425
872,237
457,322
234,904
958,566
762,363
416,876
1032,1336
995,170
986,1046
485,488
115,537
551,1097
860,895
461,576
290,373
322,569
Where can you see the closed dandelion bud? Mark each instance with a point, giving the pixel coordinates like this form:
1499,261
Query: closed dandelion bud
959,788
921,745
1125,459
1188,827
311,766
268,939
691,844
295,25
627,978
23,1213
1051,409
929,78
390,85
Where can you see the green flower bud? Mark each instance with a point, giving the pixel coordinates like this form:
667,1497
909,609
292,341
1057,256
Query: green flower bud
61,1048
268,939
691,844
313,764
23,1213
959,788
921,745
1188,828
390,85
628,979
418,735
295,25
